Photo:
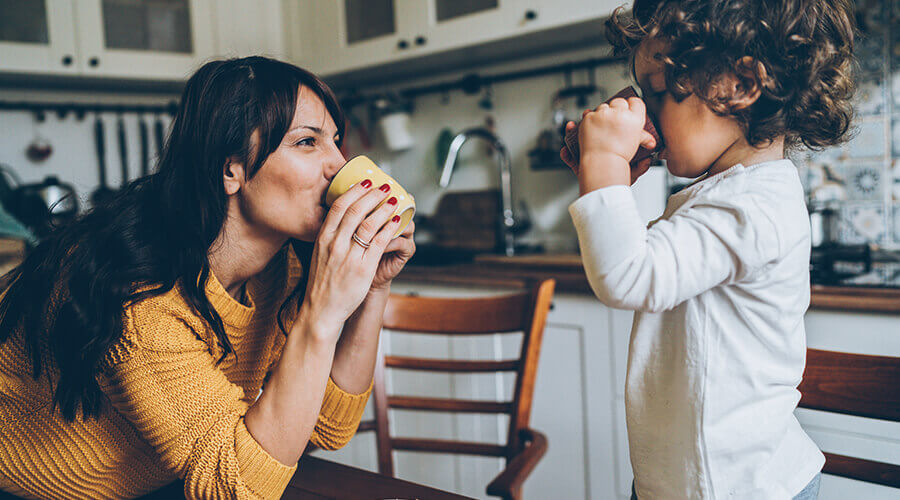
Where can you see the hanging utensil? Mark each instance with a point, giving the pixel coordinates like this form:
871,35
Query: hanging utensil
103,192
123,149
145,146
159,133
39,149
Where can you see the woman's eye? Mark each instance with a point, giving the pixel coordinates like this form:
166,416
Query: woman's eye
306,141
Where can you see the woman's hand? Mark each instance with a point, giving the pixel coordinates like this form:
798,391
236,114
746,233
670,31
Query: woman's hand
397,253
342,269
608,138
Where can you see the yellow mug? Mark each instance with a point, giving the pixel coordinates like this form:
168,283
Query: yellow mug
360,168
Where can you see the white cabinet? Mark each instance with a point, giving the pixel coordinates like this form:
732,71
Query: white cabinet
344,35
862,333
38,36
353,33
158,39
145,39
245,28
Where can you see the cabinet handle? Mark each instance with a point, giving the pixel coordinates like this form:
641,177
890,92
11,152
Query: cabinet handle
94,62
420,40
530,15
402,44
67,60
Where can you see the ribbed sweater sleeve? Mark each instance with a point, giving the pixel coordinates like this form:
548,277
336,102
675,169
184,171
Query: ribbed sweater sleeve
183,405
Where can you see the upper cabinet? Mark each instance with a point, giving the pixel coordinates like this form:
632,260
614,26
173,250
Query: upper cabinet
149,39
336,36
160,39
168,39
37,36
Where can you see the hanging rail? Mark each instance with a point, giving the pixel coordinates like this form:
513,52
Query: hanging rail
82,108
473,82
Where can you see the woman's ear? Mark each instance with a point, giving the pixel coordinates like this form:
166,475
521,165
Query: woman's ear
746,85
233,176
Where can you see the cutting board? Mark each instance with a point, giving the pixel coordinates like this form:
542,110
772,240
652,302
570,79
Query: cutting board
468,220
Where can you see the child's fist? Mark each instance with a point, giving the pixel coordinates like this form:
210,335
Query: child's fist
616,128
609,137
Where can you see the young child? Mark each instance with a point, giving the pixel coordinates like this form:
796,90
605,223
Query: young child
720,283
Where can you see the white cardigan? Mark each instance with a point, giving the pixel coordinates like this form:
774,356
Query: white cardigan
720,284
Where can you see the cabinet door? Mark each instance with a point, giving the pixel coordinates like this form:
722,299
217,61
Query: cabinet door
342,35
451,24
249,28
155,39
37,36
539,14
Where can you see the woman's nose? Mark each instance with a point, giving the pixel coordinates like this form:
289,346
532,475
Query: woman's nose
335,161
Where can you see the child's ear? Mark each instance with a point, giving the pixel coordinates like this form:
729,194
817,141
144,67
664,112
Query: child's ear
746,84
233,176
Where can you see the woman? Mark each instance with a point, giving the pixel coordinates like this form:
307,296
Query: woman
135,342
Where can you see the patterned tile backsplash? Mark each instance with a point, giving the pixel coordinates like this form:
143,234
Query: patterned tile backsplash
865,172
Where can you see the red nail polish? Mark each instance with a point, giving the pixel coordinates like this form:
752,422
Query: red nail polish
385,188
396,218
366,183
392,201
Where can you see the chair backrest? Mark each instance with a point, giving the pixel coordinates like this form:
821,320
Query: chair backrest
524,312
860,385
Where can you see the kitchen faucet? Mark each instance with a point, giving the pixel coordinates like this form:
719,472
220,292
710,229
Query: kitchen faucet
502,155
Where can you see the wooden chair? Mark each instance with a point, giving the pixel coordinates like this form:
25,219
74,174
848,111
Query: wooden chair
854,384
521,312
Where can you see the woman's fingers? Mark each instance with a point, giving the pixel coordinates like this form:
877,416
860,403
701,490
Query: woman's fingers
404,246
360,209
376,220
344,202
383,238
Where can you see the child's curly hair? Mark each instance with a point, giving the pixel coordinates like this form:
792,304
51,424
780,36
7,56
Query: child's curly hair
801,52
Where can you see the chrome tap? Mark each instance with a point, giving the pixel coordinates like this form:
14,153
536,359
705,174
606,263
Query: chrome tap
502,155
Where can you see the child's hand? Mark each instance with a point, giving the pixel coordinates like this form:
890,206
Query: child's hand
608,139
637,170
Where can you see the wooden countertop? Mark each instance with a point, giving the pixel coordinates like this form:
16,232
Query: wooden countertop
567,270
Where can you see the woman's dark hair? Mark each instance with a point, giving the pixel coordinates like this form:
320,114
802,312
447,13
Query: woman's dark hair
804,46
67,298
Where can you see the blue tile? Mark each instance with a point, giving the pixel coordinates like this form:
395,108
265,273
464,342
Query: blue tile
864,182
862,222
870,97
869,141
896,225
895,135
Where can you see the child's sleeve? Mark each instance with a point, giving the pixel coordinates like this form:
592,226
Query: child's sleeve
711,243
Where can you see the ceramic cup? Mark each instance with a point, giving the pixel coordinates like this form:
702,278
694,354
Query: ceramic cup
642,153
360,168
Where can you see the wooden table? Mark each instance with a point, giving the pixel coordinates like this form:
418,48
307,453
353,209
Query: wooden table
318,479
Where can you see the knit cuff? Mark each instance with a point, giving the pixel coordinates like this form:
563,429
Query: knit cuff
342,409
264,475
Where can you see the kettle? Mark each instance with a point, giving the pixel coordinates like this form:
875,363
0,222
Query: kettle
44,205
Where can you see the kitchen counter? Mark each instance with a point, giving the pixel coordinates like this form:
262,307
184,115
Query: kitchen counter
567,270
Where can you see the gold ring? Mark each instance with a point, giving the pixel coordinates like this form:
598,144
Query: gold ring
361,242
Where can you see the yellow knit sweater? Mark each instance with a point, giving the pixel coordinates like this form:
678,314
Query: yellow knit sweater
174,413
